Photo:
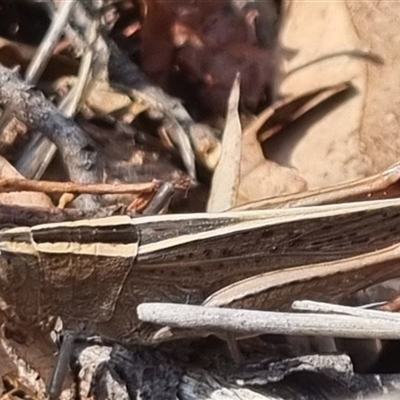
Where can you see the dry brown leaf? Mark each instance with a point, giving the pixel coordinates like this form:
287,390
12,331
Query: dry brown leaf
359,137
290,109
385,184
261,178
20,198
102,100
269,179
205,145
377,25
224,189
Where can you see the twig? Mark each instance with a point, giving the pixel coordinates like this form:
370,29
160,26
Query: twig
36,156
77,149
50,41
71,102
326,308
18,185
160,199
126,76
249,322
76,40
40,151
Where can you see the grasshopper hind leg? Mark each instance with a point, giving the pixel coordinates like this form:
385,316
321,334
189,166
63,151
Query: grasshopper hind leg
61,368
70,343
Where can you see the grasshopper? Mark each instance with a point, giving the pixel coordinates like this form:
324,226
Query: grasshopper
97,271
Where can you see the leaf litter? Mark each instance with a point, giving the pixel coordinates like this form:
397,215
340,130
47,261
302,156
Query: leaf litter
324,132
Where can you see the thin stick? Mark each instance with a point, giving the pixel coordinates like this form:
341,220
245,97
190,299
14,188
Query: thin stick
44,150
327,308
77,148
215,319
18,185
48,44
160,199
70,104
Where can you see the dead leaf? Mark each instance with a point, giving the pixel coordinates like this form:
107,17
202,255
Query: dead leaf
376,186
357,138
269,179
377,25
226,175
290,109
20,198
261,178
205,145
102,100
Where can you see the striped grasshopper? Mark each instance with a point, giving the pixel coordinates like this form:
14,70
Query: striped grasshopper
97,271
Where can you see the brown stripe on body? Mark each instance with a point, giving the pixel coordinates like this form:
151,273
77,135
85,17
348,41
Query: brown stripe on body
108,237
16,235
17,240
112,234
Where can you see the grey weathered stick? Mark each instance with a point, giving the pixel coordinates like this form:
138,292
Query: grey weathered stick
76,40
40,151
49,42
70,104
266,322
160,200
36,156
337,378
76,147
327,308
127,76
